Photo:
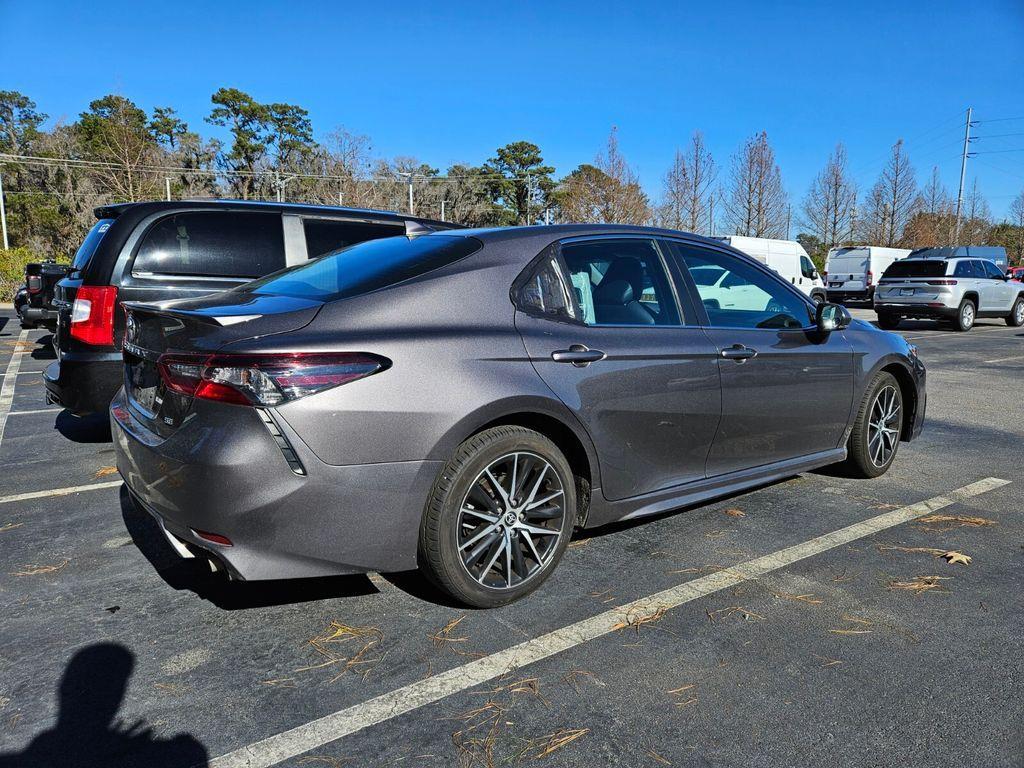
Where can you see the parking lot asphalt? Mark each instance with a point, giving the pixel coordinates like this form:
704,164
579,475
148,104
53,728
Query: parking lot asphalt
863,648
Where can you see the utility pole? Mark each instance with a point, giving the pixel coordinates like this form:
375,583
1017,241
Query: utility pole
167,186
3,213
711,215
443,201
789,215
339,192
963,172
529,198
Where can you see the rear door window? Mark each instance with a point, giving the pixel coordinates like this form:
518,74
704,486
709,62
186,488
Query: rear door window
213,244
327,235
991,270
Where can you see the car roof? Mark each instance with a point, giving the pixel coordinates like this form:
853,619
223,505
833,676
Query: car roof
959,252
559,231
115,210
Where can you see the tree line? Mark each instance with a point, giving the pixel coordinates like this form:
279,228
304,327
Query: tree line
115,151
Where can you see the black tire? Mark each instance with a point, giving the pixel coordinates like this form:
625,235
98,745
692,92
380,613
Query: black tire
860,447
965,316
888,322
1016,317
439,550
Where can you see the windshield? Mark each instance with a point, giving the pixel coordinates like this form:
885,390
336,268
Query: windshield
91,242
365,267
916,268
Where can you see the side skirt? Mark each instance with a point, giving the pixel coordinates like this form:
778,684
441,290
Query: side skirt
603,511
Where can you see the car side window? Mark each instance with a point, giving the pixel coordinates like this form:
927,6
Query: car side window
746,297
212,244
545,291
807,268
620,282
964,269
992,271
328,235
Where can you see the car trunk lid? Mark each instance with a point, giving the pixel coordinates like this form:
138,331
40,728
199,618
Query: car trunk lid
195,326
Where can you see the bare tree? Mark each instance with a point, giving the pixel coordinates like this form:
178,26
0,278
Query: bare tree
977,219
688,189
892,202
607,191
756,202
828,209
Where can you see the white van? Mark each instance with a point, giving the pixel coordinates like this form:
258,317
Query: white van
851,273
787,257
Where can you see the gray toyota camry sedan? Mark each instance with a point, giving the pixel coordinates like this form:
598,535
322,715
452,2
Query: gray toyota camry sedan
462,401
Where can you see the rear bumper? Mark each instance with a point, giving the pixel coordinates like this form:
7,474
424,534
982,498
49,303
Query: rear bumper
38,316
224,473
84,382
841,295
916,310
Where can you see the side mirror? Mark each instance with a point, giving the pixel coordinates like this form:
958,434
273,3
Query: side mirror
832,317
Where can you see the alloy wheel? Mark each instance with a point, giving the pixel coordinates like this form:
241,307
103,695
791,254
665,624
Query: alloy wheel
1018,312
511,520
884,426
967,315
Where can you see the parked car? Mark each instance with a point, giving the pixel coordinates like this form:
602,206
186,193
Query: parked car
1016,273
942,284
462,401
788,258
850,273
166,250
34,302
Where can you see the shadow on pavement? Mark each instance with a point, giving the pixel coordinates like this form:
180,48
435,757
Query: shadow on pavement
195,576
88,733
94,428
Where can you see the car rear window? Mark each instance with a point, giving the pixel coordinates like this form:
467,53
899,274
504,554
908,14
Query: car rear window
213,244
91,243
327,235
916,268
365,267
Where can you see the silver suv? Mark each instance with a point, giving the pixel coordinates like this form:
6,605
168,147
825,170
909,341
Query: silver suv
932,285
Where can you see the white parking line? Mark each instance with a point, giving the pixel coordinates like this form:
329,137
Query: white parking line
24,373
59,491
38,410
1004,359
939,334
316,733
10,377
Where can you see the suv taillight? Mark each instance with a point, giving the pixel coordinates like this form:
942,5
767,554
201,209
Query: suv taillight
34,283
871,278
266,380
92,314
941,282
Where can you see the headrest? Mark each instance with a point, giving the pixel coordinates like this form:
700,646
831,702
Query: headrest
627,268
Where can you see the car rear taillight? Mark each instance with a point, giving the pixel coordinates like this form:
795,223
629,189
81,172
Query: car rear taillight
269,379
871,278
824,275
34,283
941,282
92,314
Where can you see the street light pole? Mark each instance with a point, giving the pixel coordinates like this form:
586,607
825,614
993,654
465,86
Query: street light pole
963,171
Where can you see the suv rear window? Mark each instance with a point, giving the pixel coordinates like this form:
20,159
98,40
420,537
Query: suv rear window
213,244
365,267
326,235
916,268
91,243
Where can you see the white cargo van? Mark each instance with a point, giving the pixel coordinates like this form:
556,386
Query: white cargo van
851,273
787,257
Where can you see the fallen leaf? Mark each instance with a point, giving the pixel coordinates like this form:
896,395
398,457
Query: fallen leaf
35,570
808,598
957,557
952,521
735,513
10,526
920,584
851,631
105,472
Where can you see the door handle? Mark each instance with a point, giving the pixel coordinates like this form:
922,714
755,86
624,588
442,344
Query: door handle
577,354
738,353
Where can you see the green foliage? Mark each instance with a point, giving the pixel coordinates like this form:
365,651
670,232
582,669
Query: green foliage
19,122
167,128
520,182
12,269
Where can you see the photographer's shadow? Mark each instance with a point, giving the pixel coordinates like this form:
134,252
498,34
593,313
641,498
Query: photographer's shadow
88,733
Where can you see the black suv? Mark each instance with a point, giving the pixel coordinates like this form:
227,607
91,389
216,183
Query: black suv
156,251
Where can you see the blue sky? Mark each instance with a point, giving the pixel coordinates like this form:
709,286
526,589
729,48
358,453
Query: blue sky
451,81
